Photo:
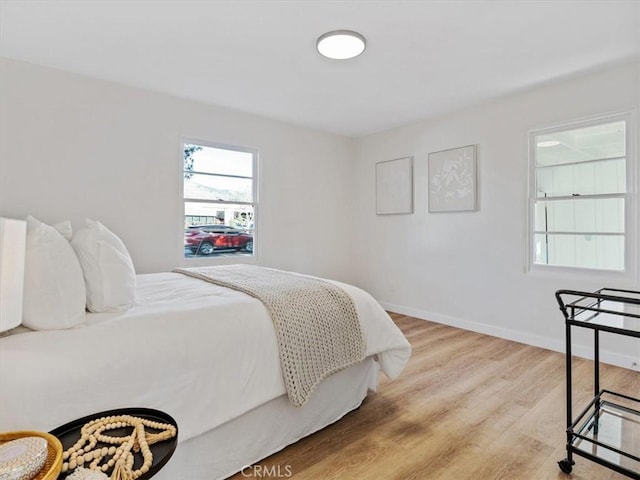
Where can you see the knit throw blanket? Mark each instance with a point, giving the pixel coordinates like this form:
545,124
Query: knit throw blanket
316,322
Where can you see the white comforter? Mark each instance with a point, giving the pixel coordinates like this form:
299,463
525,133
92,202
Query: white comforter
202,353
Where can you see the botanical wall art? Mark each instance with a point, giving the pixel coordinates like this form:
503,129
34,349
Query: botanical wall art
394,186
452,179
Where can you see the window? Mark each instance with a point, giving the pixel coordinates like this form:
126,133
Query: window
219,190
581,212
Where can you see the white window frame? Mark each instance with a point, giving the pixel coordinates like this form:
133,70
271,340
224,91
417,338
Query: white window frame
218,260
631,268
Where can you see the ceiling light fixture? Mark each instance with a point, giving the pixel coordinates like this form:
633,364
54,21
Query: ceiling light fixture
341,44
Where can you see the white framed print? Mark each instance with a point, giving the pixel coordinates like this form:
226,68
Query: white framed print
452,180
394,186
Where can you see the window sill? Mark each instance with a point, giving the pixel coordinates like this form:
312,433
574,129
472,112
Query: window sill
214,260
604,277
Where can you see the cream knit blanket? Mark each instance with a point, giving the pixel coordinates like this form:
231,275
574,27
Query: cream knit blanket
316,322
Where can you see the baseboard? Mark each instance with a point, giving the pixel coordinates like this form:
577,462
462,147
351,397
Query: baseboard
606,356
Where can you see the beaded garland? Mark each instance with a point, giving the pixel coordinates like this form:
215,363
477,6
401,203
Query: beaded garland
119,454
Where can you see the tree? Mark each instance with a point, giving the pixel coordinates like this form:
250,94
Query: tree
189,151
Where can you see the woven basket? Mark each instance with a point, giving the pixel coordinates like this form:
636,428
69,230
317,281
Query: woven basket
53,464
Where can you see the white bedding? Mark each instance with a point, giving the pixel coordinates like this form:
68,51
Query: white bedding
202,353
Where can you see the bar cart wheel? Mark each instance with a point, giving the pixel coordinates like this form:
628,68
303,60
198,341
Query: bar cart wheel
565,465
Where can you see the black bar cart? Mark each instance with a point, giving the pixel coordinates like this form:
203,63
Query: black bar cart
607,431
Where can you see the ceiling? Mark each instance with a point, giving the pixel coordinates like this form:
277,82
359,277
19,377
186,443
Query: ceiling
423,58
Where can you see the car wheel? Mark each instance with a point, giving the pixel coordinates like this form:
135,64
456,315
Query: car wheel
248,247
206,248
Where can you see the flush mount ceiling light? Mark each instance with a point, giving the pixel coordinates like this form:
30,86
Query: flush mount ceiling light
341,44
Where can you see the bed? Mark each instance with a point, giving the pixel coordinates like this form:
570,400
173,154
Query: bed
205,354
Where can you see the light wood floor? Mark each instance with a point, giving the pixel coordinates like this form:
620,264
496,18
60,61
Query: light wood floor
467,406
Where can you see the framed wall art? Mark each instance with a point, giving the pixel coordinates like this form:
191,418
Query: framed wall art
394,186
452,180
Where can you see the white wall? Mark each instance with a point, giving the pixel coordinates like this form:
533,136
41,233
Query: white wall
74,147
469,268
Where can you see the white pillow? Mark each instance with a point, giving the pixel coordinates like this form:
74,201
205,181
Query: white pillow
64,229
109,274
54,291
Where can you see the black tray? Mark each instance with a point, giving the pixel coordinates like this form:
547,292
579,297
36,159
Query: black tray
69,434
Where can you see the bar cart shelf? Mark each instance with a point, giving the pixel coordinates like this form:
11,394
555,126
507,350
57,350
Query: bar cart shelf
607,431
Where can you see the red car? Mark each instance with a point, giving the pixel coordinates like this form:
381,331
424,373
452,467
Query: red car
204,239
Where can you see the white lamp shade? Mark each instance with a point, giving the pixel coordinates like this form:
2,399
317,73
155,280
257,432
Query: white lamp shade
13,234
